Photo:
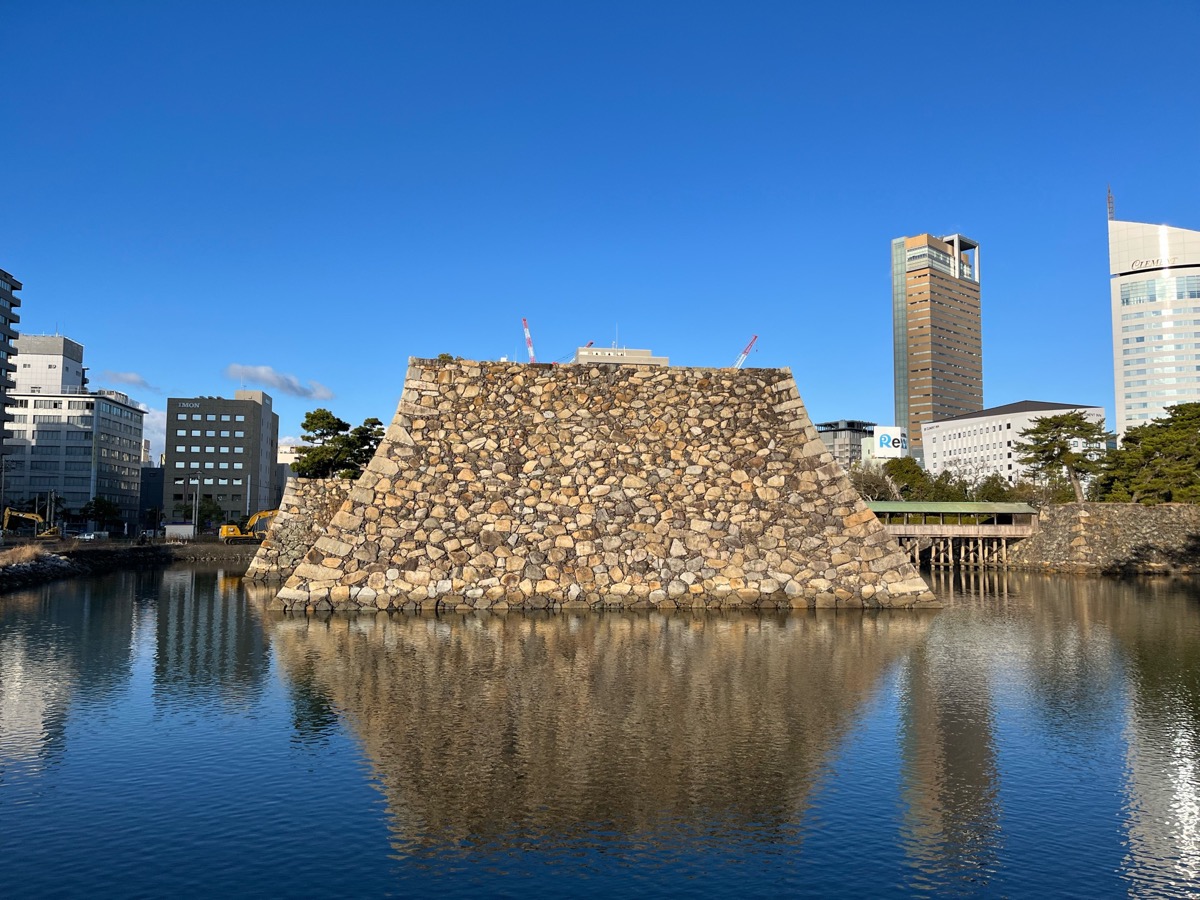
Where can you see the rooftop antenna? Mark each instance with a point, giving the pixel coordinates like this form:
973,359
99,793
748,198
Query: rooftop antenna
1112,210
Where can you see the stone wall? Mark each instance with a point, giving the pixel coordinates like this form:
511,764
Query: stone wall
1113,538
307,506
502,484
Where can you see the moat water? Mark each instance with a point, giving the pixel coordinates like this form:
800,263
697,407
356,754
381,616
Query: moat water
161,736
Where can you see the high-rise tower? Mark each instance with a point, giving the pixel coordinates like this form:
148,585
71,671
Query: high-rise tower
1155,319
936,333
9,301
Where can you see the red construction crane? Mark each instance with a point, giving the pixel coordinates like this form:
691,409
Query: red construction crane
528,340
741,359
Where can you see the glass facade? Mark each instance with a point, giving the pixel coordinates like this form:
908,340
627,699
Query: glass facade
1155,299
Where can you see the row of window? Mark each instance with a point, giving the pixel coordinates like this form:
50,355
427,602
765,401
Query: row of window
181,448
1165,336
1182,287
180,464
236,482
208,417
183,432
1154,326
1155,313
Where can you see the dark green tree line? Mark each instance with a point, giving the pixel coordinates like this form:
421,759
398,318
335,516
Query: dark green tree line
1158,462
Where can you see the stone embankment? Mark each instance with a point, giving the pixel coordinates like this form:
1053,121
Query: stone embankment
503,485
1113,539
307,506
65,561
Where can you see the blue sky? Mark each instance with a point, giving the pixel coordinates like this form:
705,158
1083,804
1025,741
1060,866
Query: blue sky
297,197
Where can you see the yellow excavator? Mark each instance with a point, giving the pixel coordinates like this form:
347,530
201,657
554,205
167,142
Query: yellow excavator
256,529
42,534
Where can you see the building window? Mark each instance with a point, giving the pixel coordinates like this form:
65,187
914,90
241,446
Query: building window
239,418
182,416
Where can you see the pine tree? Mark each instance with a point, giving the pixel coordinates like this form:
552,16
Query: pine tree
1067,442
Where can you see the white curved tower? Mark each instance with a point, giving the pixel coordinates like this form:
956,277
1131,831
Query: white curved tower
1156,319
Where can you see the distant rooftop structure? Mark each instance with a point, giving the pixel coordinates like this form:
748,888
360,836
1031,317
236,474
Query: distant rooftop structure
618,356
844,438
1021,406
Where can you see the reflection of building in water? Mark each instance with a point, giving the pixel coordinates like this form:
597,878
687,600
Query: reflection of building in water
206,636
1091,655
533,727
950,774
55,643
35,689
1162,737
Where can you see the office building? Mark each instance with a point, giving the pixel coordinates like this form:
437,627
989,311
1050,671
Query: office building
936,332
844,439
8,335
69,443
224,448
618,355
976,445
1155,288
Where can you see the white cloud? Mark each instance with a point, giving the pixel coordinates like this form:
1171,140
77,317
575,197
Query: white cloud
131,378
154,429
289,441
288,384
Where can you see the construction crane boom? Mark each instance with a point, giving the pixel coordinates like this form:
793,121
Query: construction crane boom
528,340
741,359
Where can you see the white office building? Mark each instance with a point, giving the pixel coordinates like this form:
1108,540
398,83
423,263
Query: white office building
1155,319
67,442
975,445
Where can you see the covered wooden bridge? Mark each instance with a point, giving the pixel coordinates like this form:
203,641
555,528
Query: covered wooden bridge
957,535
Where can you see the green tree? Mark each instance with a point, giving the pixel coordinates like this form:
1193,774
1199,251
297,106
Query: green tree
915,484
872,482
908,477
1068,443
101,511
993,489
336,449
1158,462
210,513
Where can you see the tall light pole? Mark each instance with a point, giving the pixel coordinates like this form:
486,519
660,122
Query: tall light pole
195,505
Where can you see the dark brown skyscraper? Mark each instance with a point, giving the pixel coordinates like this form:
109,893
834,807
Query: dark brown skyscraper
936,334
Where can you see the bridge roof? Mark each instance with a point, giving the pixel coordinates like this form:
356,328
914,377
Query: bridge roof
898,506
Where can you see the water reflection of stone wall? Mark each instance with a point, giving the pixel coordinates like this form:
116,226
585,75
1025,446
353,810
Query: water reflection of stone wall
538,724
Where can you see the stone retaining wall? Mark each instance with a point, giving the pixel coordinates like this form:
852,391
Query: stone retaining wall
505,485
1113,538
307,506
